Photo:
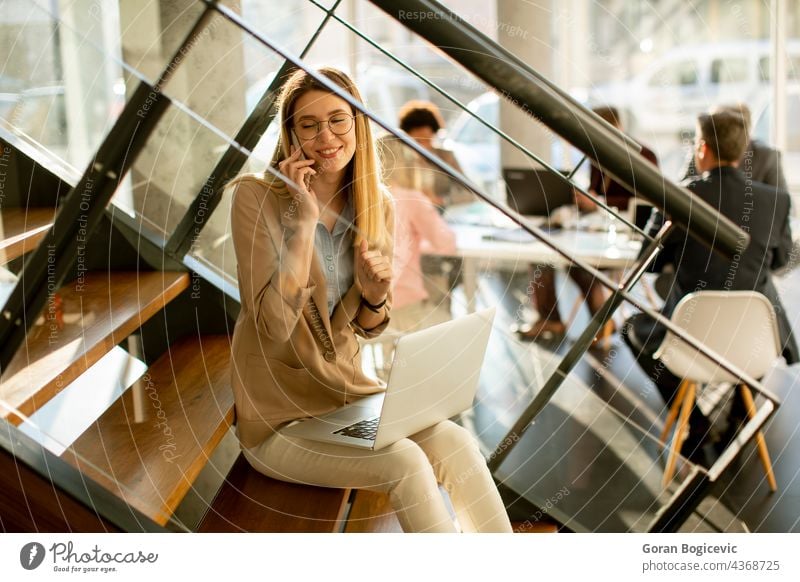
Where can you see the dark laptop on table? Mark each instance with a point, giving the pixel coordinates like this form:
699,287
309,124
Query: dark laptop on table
536,192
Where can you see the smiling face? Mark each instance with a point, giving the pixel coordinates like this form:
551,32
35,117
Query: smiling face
330,151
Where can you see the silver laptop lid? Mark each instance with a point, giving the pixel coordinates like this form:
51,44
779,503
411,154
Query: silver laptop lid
434,375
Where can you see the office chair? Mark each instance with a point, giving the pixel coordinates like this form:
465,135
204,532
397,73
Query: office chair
741,327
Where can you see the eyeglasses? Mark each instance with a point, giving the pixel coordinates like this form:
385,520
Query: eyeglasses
339,124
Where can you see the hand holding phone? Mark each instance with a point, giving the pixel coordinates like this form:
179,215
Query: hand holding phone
296,144
298,171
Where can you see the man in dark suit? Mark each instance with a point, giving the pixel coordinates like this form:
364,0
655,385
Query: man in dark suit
759,162
761,210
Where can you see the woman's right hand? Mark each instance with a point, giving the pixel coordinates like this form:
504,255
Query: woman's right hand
303,209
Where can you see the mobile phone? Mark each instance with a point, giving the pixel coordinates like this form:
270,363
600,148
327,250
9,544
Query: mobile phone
296,143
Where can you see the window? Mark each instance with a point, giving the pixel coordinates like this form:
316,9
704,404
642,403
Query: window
765,68
676,74
729,70
473,131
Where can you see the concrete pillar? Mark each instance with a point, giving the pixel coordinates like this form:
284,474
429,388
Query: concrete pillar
210,80
90,68
573,44
525,29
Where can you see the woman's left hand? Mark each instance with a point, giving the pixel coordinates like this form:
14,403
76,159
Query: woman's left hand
374,272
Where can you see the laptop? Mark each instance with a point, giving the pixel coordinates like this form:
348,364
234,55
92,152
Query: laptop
536,192
434,376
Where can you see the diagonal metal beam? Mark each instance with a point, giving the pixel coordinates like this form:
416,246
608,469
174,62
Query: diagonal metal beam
84,206
549,104
231,162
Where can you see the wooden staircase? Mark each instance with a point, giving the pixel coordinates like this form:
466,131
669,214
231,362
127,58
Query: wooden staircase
251,502
185,409
188,402
22,230
152,462
151,465
80,324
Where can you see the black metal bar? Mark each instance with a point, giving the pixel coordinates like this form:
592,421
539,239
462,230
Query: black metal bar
692,491
425,154
516,217
746,434
531,155
527,89
568,362
575,171
85,205
231,162
682,504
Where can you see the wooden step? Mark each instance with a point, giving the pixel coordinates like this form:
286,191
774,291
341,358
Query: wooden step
83,321
541,526
252,502
372,513
22,230
189,407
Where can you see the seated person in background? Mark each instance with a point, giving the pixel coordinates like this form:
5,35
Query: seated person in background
601,185
422,121
543,277
762,210
418,227
759,162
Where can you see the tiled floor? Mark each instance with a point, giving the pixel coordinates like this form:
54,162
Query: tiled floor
595,441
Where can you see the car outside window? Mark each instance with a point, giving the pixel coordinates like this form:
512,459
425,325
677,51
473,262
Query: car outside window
728,71
676,74
765,68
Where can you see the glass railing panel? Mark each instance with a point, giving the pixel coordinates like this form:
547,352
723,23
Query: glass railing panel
581,462
385,86
62,84
170,171
79,435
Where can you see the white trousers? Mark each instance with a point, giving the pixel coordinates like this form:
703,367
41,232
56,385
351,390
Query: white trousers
408,470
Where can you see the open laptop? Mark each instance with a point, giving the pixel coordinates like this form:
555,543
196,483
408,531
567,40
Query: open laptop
536,192
434,376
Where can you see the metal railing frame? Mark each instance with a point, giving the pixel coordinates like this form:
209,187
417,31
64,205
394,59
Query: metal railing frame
495,66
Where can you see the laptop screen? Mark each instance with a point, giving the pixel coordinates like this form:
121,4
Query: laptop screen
536,192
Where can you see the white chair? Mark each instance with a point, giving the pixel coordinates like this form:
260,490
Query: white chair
741,327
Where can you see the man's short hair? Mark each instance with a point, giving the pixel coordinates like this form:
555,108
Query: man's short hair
725,134
740,108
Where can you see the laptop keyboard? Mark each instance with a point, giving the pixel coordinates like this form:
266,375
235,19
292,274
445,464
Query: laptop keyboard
364,429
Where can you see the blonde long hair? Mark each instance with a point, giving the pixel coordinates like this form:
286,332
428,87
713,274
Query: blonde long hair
362,176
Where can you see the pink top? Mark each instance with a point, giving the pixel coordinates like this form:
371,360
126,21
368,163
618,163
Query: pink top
419,228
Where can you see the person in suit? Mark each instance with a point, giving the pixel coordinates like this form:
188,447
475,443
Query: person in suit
760,210
543,277
313,249
759,162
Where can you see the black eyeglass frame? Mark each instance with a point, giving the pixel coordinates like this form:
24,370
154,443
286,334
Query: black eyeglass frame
318,126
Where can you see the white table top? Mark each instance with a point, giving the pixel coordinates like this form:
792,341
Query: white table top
484,233
598,249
